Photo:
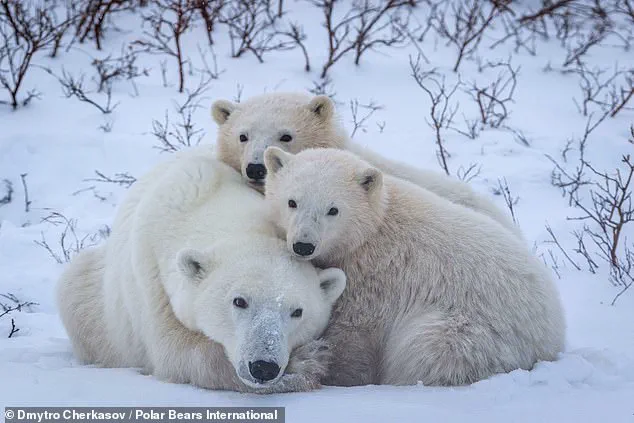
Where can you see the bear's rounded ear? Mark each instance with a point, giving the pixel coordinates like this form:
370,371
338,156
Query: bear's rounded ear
332,282
275,158
195,265
322,106
221,110
370,179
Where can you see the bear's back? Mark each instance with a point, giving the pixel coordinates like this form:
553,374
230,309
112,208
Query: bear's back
197,202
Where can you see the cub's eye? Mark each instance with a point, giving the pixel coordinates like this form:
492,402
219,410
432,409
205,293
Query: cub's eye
292,204
333,211
297,313
243,138
286,138
240,302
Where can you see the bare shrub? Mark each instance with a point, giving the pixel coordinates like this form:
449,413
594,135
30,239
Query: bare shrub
122,179
209,11
295,33
172,137
442,110
123,67
580,25
69,242
63,24
253,29
94,15
494,98
323,86
607,90
367,25
467,174
211,71
463,23
511,201
168,21
14,305
361,113
603,201
25,29
73,86
27,201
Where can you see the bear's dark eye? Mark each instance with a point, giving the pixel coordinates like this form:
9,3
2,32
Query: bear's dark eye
292,204
240,302
243,138
297,313
333,211
286,138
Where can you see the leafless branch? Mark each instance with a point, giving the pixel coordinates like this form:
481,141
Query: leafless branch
184,133
69,243
504,190
493,99
463,23
13,306
74,87
210,12
25,29
442,110
365,26
252,28
94,15
27,202
168,21
122,179
111,69
469,173
361,113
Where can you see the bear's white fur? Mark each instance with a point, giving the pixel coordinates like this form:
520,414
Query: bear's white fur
193,286
311,122
436,292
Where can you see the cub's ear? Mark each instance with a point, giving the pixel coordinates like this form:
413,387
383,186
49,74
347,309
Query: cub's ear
275,158
370,179
195,265
332,282
222,109
322,106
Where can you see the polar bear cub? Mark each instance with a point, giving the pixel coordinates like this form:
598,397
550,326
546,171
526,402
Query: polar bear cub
193,287
296,122
436,292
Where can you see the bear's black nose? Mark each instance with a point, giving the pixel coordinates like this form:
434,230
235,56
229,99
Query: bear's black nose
256,171
303,248
264,371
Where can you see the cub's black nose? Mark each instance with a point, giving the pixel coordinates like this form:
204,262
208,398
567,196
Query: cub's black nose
264,371
256,171
303,248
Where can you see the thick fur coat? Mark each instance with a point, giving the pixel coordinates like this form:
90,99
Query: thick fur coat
295,122
437,293
193,287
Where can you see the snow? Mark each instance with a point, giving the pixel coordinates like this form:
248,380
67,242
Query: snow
56,142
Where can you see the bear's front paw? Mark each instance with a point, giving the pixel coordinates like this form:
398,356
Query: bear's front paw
311,360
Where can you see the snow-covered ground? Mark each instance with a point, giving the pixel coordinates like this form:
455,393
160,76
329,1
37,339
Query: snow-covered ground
58,144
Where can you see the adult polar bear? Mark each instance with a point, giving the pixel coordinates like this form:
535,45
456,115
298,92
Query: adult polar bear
191,259
297,121
436,292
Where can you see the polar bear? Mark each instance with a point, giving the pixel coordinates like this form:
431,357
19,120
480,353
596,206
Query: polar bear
193,287
297,121
436,293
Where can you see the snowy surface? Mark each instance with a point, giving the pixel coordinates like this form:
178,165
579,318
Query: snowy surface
58,144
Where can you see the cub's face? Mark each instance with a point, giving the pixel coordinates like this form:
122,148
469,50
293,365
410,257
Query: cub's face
292,122
321,199
258,307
